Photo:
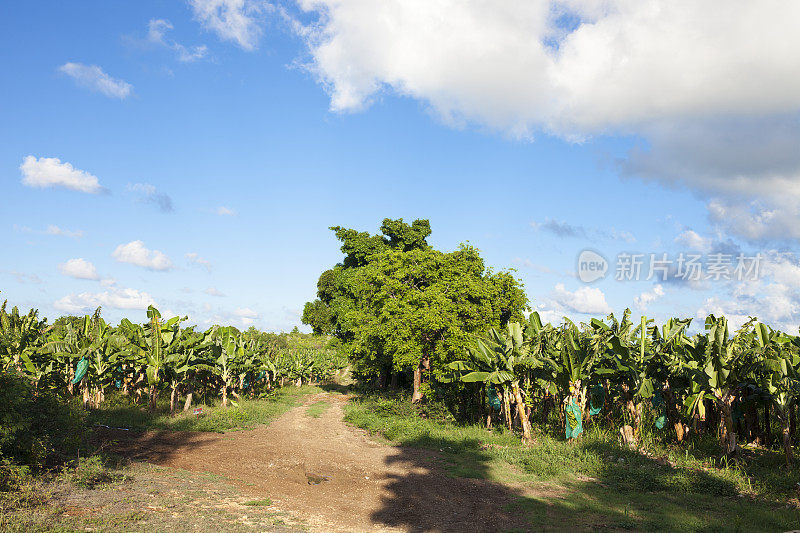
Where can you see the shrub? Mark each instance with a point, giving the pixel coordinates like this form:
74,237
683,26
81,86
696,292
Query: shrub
37,428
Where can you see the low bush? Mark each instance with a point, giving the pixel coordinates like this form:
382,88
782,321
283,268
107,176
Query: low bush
37,429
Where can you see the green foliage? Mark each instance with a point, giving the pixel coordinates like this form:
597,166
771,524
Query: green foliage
36,427
395,302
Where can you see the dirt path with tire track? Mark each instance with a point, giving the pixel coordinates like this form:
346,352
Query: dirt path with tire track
370,486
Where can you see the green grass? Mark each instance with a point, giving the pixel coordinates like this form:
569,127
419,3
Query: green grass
266,502
595,483
316,409
118,411
136,497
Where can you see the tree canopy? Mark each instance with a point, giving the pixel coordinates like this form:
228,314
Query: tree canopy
396,303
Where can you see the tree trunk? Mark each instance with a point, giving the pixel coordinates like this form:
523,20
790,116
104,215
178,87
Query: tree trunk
224,394
85,392
521,412
153,398
767,428
124,380
416,396
189,395
787,439
173,397
506,406
727,435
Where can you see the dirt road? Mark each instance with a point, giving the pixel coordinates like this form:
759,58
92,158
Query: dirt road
370,486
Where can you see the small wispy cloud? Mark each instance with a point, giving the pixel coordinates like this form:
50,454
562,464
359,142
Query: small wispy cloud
195,259
148,194
643,301
213,291
563,230
225,211
23,277
157,34
52,229
239,21
95,79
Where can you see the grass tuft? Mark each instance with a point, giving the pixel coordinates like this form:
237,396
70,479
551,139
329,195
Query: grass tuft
119,411
316,409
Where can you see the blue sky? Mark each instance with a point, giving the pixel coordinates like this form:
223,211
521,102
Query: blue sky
226,136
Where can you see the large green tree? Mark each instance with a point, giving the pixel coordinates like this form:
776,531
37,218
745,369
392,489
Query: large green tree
396,303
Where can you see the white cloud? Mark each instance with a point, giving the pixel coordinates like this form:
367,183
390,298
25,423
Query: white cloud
242,316
527,263
693,241
246,315
239,21
566,230
213,291
79,268
195,259
516,67
710,87
55,230
157,34
111,298
644,300
92,77
47,172
225,211
23,277
148,194
585,300
773,297
137,254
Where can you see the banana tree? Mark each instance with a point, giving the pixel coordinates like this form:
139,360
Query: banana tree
718,367
780,376
571,363
638,356
19,335
227,347
184,361
151,345
494,360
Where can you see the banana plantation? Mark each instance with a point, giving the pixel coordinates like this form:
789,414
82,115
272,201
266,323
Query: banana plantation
87,357
738,385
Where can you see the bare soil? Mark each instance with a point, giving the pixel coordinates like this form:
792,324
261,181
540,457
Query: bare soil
333,477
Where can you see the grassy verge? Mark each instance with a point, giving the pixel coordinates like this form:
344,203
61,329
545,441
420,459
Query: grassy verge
93,496
595,483
119,412
316,409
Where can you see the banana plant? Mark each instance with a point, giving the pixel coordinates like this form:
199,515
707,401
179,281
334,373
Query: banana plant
19,335
719,365
183,362
494,359
780,376
151,345
227,347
